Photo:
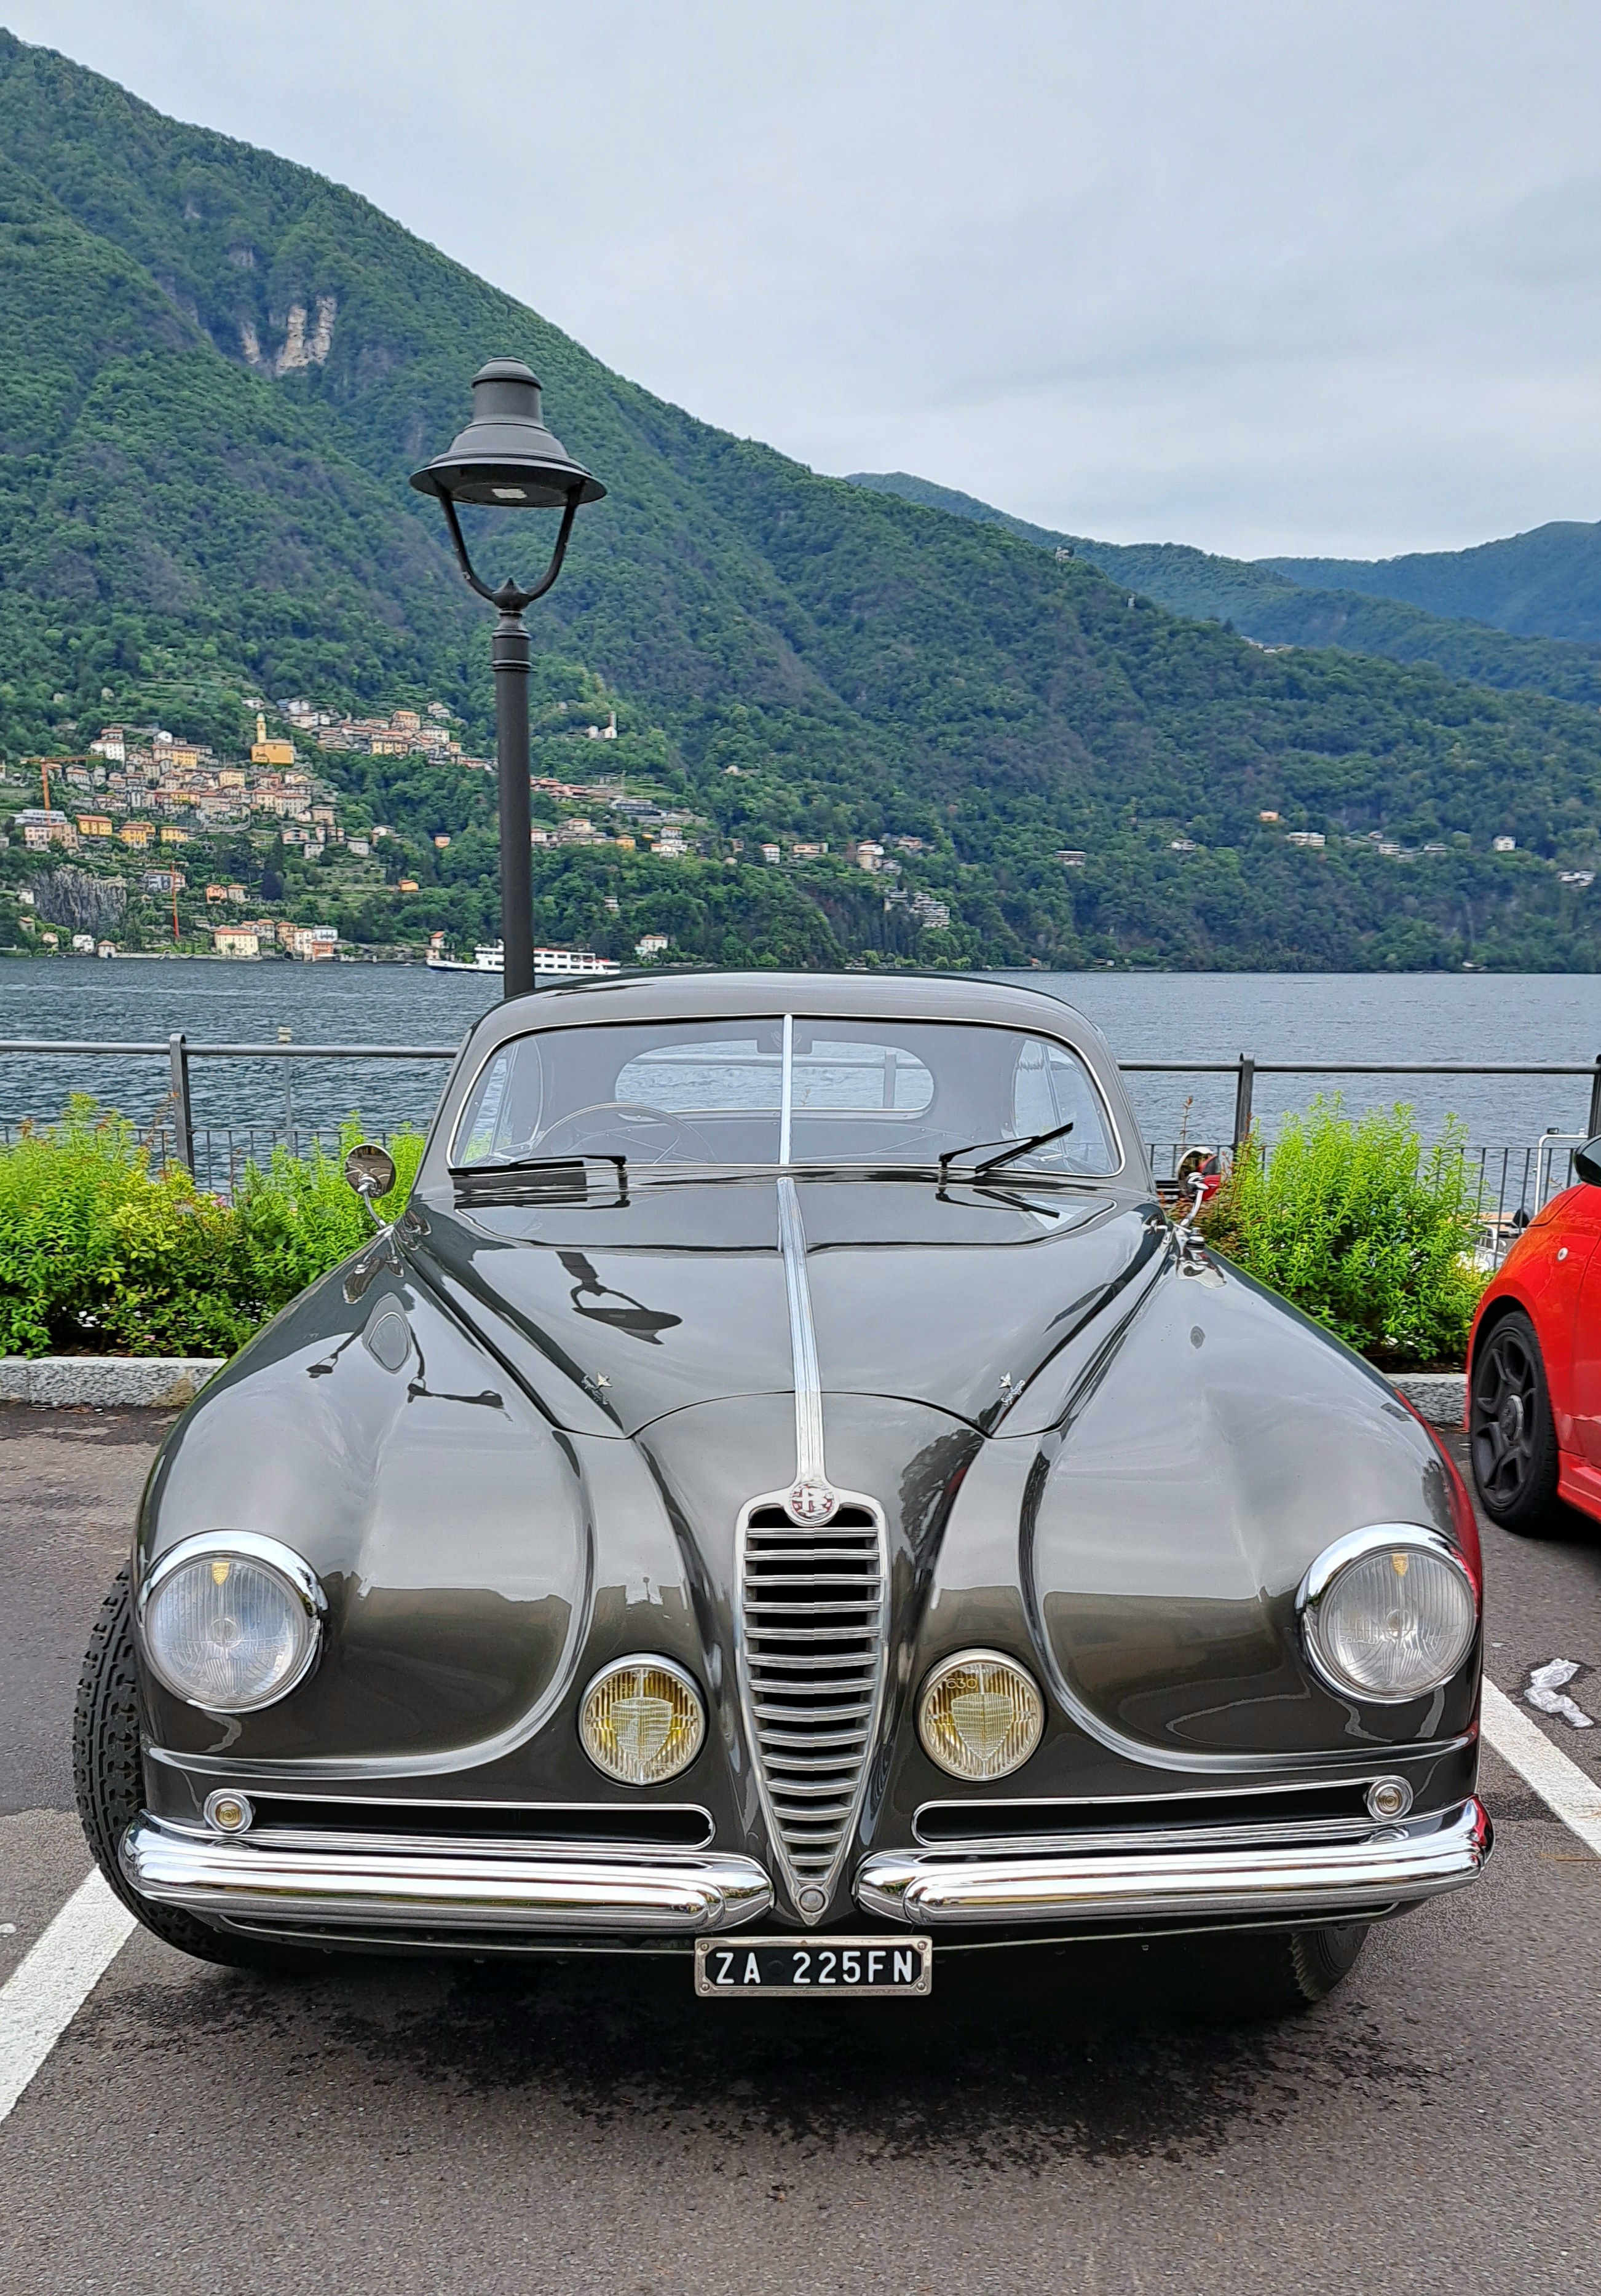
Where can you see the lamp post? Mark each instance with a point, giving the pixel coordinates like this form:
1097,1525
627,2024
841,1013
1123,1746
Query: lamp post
506,457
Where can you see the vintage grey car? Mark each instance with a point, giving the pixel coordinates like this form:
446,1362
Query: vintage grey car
785,1492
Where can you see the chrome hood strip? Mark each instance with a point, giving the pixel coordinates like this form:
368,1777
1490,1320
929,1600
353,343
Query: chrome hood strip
809,1467
812,1649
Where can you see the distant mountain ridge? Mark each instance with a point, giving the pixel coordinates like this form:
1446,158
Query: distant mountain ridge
1320,602
1546,583
217,370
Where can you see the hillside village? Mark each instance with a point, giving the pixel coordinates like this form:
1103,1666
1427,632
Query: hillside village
150,842
325,838
147,841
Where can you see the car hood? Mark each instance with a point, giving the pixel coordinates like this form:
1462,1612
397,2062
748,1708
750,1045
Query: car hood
619,1308
436,1432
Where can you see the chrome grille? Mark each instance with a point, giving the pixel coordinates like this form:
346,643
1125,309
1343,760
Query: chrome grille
813,1600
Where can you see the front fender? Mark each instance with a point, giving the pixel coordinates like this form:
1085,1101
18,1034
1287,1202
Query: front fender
1208,1457
448,1521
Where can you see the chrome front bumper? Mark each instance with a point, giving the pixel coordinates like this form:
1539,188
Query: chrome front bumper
370,1884
1330,1882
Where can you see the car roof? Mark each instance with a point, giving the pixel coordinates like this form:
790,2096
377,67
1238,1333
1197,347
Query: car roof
708,995
736,995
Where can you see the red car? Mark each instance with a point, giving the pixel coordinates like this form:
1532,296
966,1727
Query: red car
1534,1363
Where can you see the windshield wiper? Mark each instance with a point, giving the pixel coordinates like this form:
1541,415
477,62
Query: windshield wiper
564,1164
1008,1153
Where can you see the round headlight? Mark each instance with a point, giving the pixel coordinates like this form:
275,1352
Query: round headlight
642,1721
229,1623
980,1716
1390,1614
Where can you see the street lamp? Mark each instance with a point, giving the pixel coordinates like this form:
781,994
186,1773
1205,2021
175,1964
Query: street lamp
506,457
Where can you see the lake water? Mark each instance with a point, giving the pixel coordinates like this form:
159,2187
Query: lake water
1151,1016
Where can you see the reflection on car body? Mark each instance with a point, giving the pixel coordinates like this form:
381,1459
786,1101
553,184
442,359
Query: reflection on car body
868,1538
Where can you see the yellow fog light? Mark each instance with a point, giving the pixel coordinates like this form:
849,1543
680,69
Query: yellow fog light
980,1716
642,1721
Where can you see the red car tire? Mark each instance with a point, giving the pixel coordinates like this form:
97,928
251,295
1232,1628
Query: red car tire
1512,1436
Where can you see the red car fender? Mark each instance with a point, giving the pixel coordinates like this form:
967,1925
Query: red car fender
1528,1277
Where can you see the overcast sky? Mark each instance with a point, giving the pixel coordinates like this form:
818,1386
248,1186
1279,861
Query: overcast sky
1314,277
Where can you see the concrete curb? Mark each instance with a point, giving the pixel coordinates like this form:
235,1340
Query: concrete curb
105,1382
1440,1396
167,1382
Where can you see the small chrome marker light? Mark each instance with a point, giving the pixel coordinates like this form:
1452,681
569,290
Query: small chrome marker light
642,1721
1388,1798
1388,1614
229,1813
979,1715
231,1621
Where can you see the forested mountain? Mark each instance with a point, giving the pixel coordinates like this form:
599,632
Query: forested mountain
218,369
1270,600
1547,582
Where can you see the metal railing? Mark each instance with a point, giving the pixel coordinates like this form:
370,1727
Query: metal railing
178,1052
1245,1071
1512,1181
1507,1184
218,1153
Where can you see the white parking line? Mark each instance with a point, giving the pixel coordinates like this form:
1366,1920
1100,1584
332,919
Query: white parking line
46,1991
1560,1785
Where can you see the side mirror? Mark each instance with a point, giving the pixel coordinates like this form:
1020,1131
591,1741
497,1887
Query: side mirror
370,1171
1587,1162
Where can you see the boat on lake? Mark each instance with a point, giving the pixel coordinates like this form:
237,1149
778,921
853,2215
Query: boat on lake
490,956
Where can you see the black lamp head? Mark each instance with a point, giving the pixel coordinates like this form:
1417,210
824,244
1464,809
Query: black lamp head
506,456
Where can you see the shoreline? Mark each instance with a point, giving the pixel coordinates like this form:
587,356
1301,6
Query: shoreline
207,957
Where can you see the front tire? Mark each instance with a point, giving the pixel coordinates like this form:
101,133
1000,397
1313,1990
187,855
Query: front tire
1512,1436
109,1777
1253,1975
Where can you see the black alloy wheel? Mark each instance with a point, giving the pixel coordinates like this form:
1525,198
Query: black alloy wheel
1512,1436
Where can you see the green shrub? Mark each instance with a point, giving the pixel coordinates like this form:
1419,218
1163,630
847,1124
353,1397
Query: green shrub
1360,1228
99,1255
298,1216
94,1250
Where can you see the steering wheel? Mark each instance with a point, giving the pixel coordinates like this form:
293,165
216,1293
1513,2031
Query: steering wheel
630,1115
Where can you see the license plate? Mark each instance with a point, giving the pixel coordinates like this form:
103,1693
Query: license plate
748,1968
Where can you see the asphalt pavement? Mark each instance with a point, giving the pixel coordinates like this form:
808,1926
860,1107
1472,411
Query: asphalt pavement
1063,2119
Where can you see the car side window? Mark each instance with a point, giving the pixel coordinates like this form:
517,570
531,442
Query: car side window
1051,1087
501,1118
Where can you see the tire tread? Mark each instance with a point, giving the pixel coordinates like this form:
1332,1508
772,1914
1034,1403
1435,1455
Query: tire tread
1534,1511
108,1778
1256,1975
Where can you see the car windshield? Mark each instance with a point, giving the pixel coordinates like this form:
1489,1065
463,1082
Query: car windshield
788,1090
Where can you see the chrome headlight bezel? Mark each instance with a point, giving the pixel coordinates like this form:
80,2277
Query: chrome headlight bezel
1330,1567
934,1681
634,1662
292,1569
